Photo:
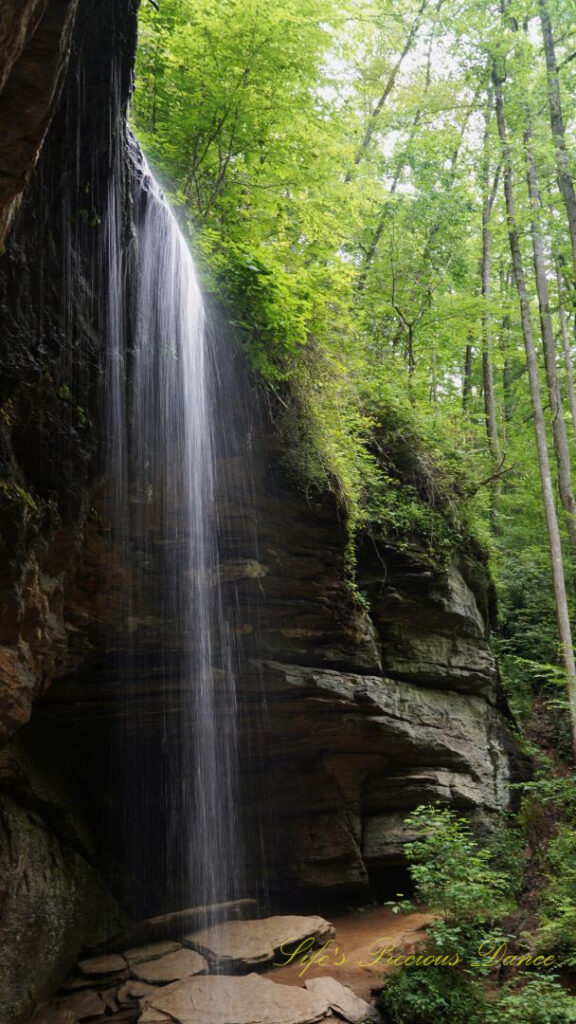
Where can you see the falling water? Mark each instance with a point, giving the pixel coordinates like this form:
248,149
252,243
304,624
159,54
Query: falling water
163,422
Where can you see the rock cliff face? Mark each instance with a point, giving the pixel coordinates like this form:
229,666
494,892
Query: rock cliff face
35,37
372,707
352,712
52,896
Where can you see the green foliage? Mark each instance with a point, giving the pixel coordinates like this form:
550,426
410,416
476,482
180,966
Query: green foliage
539,1001
456,878
451,873
557,933
420,995
255,113
13,495
527,642
332,159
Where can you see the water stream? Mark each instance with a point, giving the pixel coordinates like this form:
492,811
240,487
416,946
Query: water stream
164,418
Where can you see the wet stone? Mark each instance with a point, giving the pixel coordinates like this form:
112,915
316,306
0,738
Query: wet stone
151,952
88,1003
342,1000
54,1015
132,991
245,944
110,964
184,963
248,999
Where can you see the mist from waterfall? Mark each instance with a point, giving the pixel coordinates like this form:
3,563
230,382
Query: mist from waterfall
163,420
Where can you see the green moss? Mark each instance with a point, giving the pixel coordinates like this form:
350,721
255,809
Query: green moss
18,496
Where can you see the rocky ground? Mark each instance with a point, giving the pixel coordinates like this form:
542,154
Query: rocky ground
230,973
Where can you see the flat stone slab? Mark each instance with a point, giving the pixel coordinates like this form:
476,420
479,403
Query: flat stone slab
88,1003
250,943
246,999
151,952
184,963
103,965
171,926
342,1000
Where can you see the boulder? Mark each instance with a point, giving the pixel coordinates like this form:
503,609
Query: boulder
184,963
99,965
342,1000
176,923
237,1000
132,991
153,951
88,1003
53,1015
246,944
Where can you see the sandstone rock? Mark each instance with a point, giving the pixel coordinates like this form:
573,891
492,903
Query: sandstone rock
238,1000
175,924
76,984
184,963
249,943
152,1016
54,1015
53,900
88,1003
342,1000
96,965
34,41
239,570
151,952
132,991
420,786
122,1016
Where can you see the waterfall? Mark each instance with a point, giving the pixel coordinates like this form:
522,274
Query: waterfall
163,414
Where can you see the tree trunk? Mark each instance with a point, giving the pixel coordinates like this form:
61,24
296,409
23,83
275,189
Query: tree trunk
560,597
467,378
563,170
561,447
487,371
566,348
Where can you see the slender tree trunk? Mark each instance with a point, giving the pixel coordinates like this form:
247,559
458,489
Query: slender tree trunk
560,597
467,378
563,169
487,370
566,349
560,434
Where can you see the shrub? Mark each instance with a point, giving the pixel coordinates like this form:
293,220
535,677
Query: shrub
557,932
422,995
540,1001
452,875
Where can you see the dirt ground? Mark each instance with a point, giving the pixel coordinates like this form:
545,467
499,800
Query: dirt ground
352,958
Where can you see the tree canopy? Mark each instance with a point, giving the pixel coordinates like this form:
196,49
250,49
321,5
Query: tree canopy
381,196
